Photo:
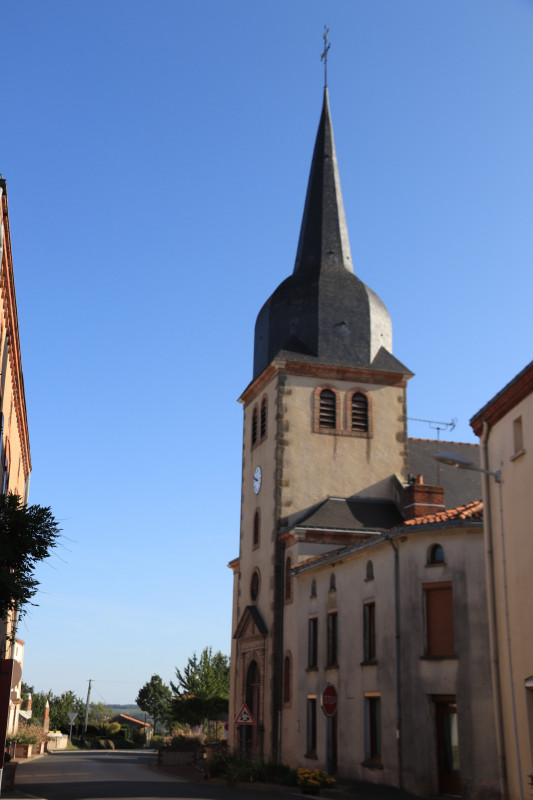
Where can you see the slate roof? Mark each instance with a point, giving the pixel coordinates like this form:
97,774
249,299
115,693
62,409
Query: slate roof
357,514
460,485
323,312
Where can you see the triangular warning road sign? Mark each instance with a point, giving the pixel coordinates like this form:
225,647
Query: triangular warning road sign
244,717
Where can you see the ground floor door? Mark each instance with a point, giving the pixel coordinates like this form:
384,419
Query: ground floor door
447,745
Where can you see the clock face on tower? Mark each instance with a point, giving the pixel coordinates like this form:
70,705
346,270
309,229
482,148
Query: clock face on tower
257,480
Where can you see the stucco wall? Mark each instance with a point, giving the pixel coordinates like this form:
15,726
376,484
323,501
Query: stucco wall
467,677
513,584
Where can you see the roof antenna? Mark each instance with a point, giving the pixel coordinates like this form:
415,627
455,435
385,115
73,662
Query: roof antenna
324,56
437,426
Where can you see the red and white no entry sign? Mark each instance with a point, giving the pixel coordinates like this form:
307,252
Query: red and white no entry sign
329,700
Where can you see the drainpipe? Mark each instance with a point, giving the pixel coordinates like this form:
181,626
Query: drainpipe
398,663
493,620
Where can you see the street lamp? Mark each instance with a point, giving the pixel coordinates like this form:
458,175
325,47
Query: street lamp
460,462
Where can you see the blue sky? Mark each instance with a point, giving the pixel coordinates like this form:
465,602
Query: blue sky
157,156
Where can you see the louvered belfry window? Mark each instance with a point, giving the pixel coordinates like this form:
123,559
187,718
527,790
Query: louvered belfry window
327,415
263,418
359,412
254,427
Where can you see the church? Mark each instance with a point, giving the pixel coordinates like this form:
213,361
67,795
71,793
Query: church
360,632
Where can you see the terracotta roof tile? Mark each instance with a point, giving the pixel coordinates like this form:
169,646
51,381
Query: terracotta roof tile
473,510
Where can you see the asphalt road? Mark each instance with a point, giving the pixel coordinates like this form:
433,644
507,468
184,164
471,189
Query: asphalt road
106,775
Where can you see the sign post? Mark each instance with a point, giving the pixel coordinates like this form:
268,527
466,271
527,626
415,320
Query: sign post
71,716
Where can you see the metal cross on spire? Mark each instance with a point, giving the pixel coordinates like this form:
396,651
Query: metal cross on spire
324,56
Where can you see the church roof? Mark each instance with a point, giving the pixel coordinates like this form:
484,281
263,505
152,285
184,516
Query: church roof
323,312
357,514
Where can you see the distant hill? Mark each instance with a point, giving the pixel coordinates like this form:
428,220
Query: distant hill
131,711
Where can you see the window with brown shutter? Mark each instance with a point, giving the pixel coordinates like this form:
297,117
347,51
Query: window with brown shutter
438,599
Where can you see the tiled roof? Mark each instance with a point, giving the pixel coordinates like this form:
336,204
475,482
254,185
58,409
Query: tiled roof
473,510
132,719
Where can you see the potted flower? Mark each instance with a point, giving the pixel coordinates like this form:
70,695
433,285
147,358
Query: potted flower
312,780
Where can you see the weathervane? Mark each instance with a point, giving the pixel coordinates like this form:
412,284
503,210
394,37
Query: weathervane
324,56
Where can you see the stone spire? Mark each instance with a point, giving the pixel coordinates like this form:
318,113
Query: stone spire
323,313
324,238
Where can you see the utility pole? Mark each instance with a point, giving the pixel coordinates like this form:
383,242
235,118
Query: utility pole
87,710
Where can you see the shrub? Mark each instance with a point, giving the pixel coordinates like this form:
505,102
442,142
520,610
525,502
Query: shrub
232,768
181,742
27,734
314,778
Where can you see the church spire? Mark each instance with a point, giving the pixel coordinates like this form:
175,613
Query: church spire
324,238
323,313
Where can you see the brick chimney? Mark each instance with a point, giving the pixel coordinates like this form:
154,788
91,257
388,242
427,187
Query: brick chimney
421,499
28,703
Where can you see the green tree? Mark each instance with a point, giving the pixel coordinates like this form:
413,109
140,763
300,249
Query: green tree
27,536
154,698
202,688
99,713
59,705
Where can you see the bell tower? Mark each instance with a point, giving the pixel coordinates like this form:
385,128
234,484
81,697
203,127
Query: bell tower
324,417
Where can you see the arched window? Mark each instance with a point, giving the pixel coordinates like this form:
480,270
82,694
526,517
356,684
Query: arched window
332,583
254,586
287,679
257,528
288,579
436,554
369,571
327,412
263,429
254,427
359,412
